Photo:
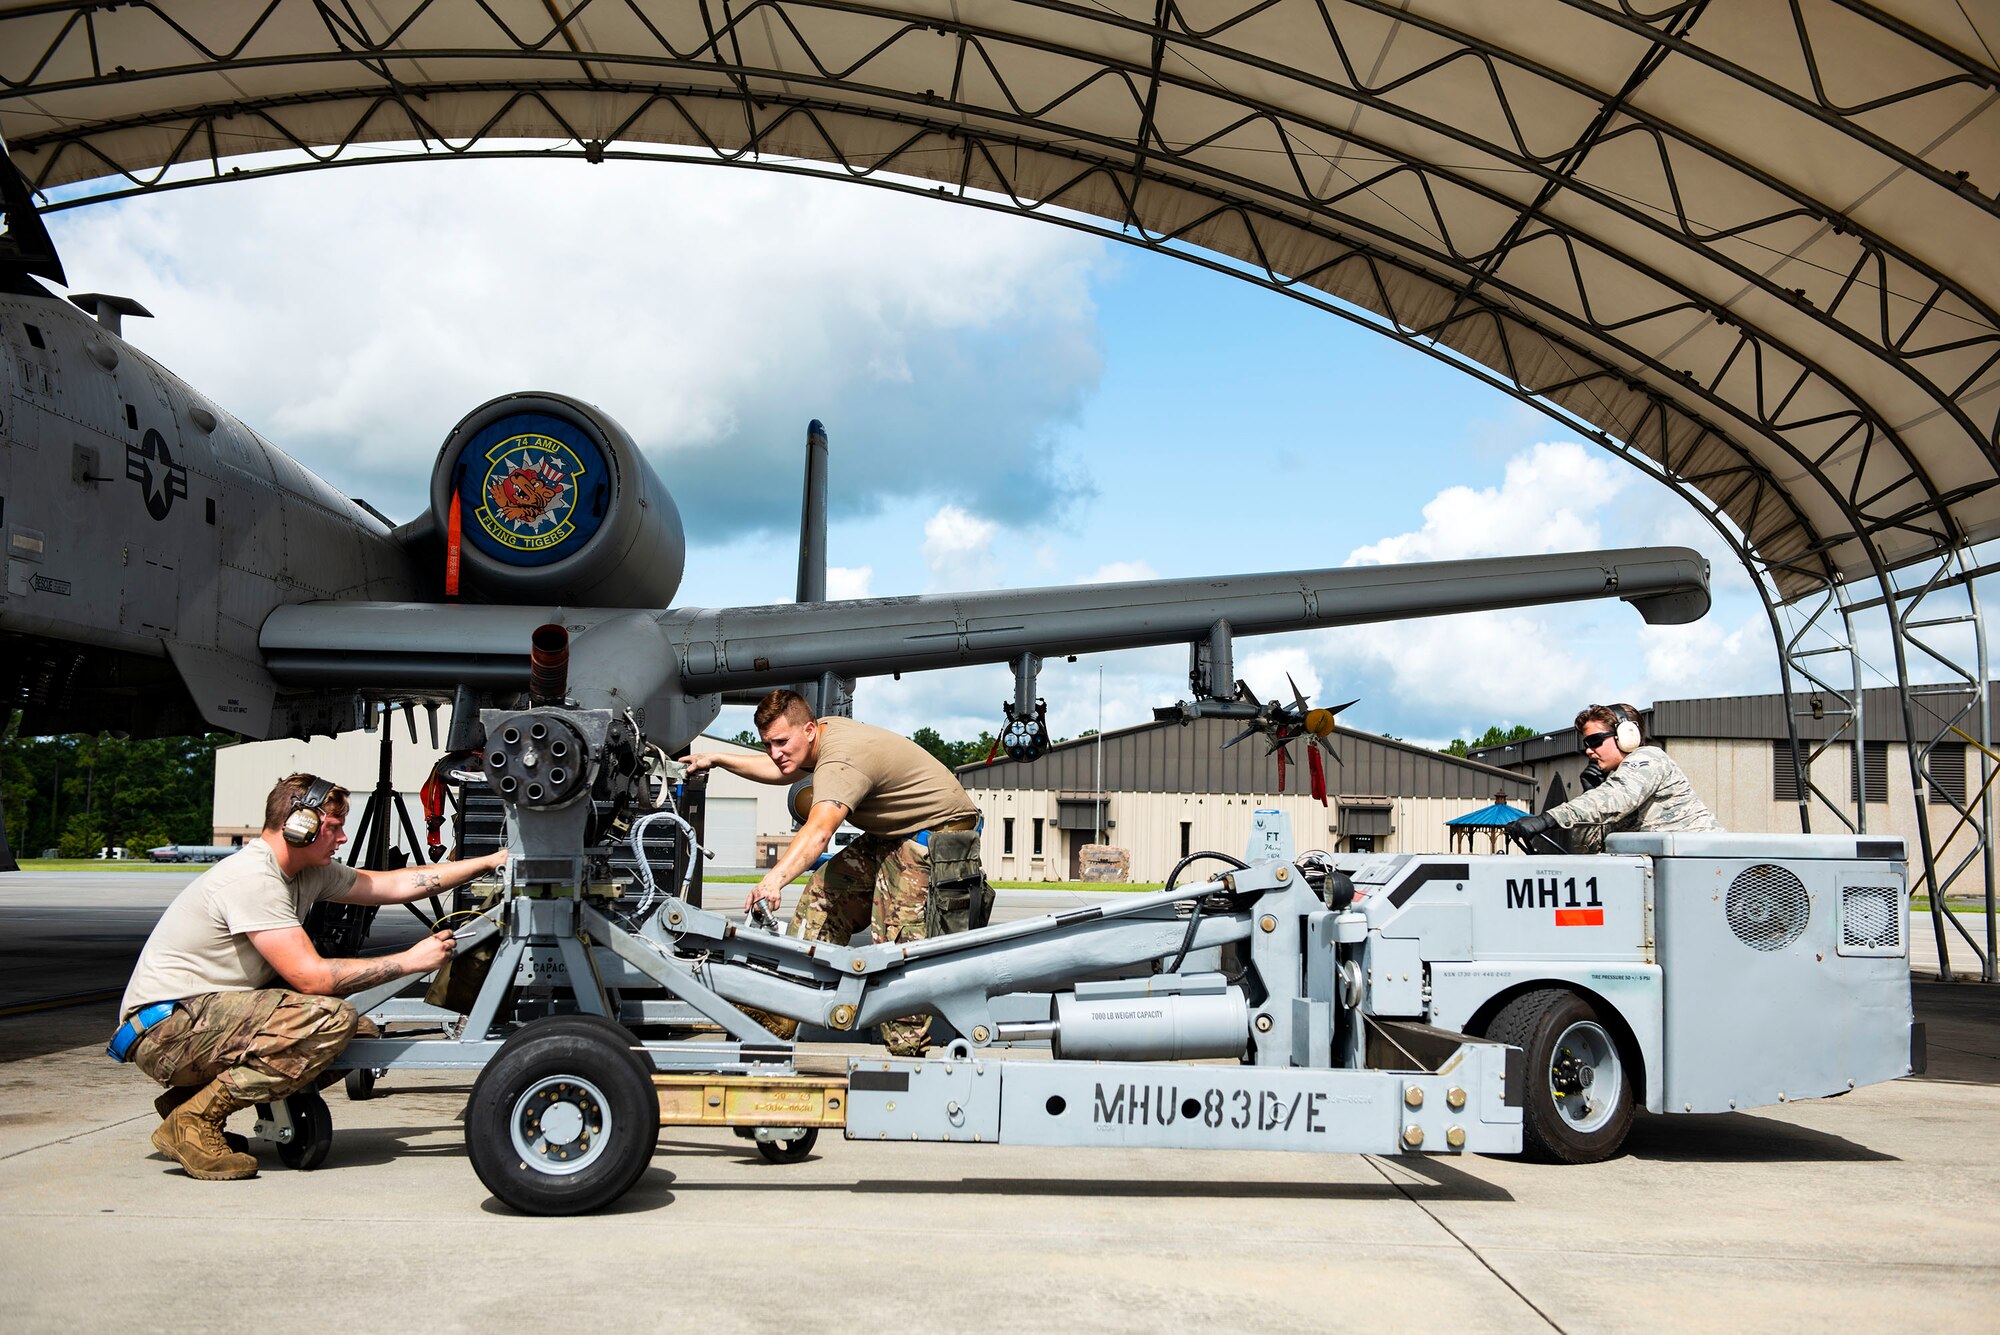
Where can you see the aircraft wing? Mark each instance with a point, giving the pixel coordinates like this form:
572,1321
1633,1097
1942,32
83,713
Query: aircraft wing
632,658
748,647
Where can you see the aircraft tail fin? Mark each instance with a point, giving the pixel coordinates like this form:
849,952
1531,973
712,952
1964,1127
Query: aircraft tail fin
812,519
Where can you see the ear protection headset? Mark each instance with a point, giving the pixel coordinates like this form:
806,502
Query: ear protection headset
1627,737
302,826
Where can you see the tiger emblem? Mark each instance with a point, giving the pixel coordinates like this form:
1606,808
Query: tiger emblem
527,497
524,496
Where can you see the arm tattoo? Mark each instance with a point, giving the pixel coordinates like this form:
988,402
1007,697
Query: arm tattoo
350,976
430,882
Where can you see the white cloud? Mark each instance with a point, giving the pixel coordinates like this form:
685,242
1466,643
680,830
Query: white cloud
1438,677
1707,659
960,704
958,549
843,582
1120,572
1272,672
354,317
1546,502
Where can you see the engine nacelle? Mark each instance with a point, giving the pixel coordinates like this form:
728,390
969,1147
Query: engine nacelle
557,505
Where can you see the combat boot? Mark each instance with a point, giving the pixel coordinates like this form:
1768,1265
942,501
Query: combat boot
176,1095
192,1136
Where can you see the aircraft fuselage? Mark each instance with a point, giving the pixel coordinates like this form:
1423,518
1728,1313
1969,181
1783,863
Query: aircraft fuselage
147,535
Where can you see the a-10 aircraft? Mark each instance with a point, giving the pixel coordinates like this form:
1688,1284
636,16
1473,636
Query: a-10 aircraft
169,570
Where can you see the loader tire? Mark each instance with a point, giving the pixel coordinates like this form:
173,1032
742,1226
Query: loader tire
564,1119
1579,1088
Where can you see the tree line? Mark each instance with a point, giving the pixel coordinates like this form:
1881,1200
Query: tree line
78,794
1493,736
954,754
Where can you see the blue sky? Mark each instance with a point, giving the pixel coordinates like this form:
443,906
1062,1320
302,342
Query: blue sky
1010,404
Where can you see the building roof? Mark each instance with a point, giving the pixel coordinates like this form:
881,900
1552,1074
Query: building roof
1171,758
1762,718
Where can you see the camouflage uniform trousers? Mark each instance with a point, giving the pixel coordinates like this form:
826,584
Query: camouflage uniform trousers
261,1045
880,882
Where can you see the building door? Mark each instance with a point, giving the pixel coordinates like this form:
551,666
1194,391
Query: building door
730,832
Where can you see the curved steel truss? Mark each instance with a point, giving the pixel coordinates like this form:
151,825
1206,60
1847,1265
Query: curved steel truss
1753,248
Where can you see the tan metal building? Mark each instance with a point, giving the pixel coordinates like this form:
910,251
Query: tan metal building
737,808
1166,790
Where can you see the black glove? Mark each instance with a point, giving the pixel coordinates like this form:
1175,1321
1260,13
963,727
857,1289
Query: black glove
1593,774
1529,826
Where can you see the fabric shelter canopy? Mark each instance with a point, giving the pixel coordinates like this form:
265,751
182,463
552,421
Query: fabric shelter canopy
1754,246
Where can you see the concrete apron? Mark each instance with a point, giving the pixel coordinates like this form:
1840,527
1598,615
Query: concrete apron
1871,1210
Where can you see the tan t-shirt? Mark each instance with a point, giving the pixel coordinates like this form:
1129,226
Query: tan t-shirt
888,783
199,943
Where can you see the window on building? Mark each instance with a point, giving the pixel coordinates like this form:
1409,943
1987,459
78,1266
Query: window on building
1947,774
1875,773
1037,850
1007,837
1784,775
1187,837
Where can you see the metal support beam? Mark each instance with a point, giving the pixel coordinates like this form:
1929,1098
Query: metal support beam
1936,630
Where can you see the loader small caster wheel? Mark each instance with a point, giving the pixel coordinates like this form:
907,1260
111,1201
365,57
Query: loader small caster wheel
360,1084
312,1132
564,1119
791,1150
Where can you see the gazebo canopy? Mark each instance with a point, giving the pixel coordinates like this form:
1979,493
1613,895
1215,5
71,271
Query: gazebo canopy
1500,813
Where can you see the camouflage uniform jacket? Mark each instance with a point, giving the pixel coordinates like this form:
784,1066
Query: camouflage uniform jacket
1647,792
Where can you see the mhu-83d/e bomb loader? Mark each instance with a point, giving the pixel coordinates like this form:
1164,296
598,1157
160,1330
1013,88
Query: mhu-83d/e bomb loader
1386,1004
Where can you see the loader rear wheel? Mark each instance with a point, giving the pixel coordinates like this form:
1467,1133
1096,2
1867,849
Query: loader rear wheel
564,1119
792,1149
1579,1089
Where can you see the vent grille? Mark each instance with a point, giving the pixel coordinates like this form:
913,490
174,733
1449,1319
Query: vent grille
1871,918
1767,907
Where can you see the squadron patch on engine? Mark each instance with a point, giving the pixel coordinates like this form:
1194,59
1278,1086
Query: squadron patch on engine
527,499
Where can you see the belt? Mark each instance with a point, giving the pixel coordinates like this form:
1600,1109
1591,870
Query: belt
959,826
128,1033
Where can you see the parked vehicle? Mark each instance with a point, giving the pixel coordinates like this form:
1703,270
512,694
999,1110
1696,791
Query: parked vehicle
841,839
192,852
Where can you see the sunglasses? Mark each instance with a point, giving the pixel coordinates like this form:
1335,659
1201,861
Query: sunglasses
1595,740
